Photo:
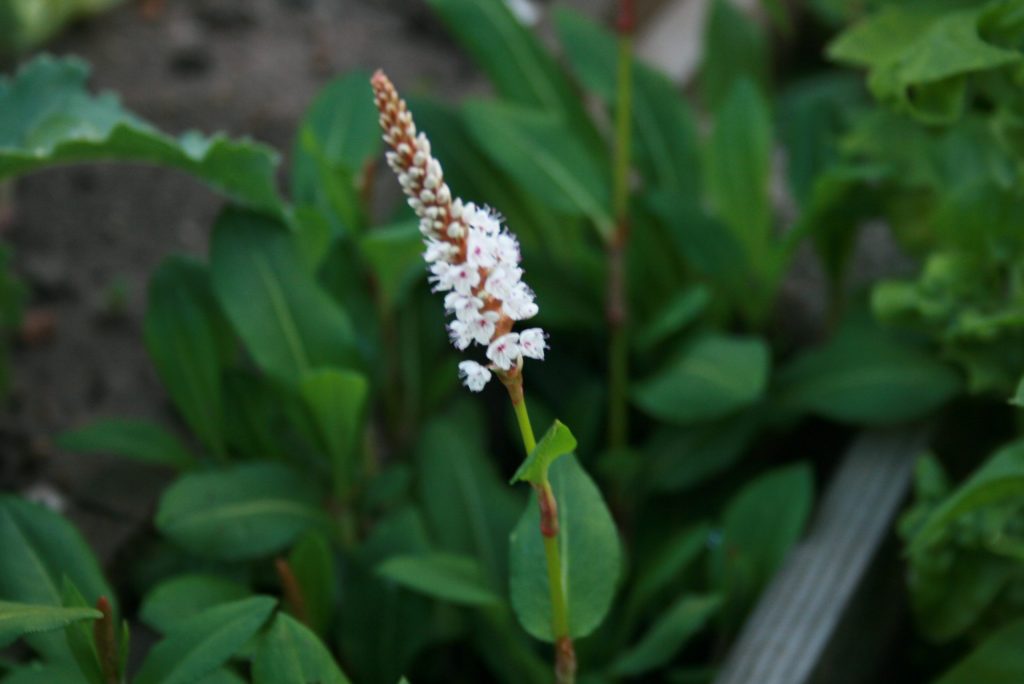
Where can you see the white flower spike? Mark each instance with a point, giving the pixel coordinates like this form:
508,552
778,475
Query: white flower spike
472,257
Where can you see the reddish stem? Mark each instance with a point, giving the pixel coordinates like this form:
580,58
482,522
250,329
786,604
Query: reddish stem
103,634
293,597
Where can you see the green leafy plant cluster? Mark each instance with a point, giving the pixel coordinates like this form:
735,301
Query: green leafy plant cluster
335,509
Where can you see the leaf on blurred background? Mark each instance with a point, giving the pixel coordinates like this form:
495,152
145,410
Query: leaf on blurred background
18,619
759,526
81,636
545,156
667,635
521,69
997,660
394,254
136,439
557,441
180,598
663,125
865,376
36,673
999,480
681,458
470,509
738,173
204,642
312,562
242,512
40,549
337,401
591,556
919,55
47,117
735,50
337,138
445,576
709,378
290,652
287,321
187,339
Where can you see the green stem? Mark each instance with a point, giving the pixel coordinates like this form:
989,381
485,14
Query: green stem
617,313
565,656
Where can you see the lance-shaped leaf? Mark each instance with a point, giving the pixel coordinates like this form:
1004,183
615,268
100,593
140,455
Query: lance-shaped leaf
203,643
18,619
290,652
48,117
446,576
136,439
242,512
591,556
179,598
337,401
668,635
557,441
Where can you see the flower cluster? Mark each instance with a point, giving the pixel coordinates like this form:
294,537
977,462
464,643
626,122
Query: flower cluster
471,256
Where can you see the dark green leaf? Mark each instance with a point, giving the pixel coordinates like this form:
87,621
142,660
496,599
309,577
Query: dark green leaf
998,660
735,49
131,439
545,156
180,598
40,548
288,322
709,379
47,117
557,441
865,376
312,563
394,253
667,636
290,652
445,576
591,556
184,331
337,401
204,642
242,512
19,619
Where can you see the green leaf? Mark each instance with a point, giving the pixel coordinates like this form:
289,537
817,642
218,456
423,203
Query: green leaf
81,637
47,117
204,642
557,441
49,673
19,619
312,563
288,323
337,138
864,376
445,576
759,526
738,172
591,556
40,548
290,652
919,55
656,576
683,458
25,24
136,439
546,157
241,512
394,254
521,70
735,49
184,332
337,401
470,510
180,598
712,377
667,636
999,480
997,660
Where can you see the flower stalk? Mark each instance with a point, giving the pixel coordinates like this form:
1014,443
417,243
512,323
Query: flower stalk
474,260
617,313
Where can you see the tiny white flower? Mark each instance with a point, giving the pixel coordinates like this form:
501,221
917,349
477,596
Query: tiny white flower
442,275
483,326
506,249
502,280
474,376
438,250
464,307
460,333
504,351
533,342
480,248
464,278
